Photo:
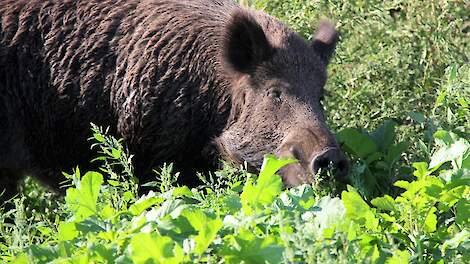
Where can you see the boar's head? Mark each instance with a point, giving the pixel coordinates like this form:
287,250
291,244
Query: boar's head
277,80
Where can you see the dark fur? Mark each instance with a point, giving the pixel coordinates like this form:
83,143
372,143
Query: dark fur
170,77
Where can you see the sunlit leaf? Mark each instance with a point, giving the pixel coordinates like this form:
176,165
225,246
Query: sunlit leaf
82,200
431,220
398,257
67,231
268,185
386,203
206,225
152,248
452,152
246,247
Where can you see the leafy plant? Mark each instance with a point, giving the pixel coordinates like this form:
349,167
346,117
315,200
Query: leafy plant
261,222
375,157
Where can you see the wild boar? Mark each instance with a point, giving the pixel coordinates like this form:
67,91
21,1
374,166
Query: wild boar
187,82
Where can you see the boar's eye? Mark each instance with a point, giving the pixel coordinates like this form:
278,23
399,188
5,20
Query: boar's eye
275,94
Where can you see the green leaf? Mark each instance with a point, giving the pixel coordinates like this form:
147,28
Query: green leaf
114,183
268,186
116,153
82,200
463,102
357,210
395,151
445,138
387,217
107,211
43,254
453,152
398,257
402,184
384,135
385,203
421,169
459,238
462,214
232,203
270,166
373,157
431,220
466,164
181,191
248,248
417,117
440,99
21,259
98,137
67,231
452,73
206,225
355,206
173,207
103,254
299,198
145,202
152,248
357,143
331,213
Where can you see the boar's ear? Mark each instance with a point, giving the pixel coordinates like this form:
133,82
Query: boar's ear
325,40
245,44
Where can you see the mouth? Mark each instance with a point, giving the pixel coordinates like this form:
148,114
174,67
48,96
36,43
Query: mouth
294,175
324,167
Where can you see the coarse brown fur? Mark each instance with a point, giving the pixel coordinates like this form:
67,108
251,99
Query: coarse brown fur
176,79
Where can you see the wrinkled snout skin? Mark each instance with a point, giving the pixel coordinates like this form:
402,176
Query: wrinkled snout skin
278,86
316,151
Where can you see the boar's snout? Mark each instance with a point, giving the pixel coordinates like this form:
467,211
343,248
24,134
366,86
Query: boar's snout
330,159
316,154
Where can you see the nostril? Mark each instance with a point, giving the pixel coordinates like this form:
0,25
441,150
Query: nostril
342,165
330,160
322,163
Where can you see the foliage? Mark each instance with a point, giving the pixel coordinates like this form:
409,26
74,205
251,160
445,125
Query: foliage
374,166
260,222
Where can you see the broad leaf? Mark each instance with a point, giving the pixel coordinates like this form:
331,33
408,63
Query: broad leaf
384,135
331,212
246,247
452,152
385,203
145,202
431,220
152,248
267,187
356,142
206,225
82,200
67,231
357,210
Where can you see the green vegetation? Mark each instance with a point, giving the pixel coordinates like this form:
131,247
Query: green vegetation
399,100
242,218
